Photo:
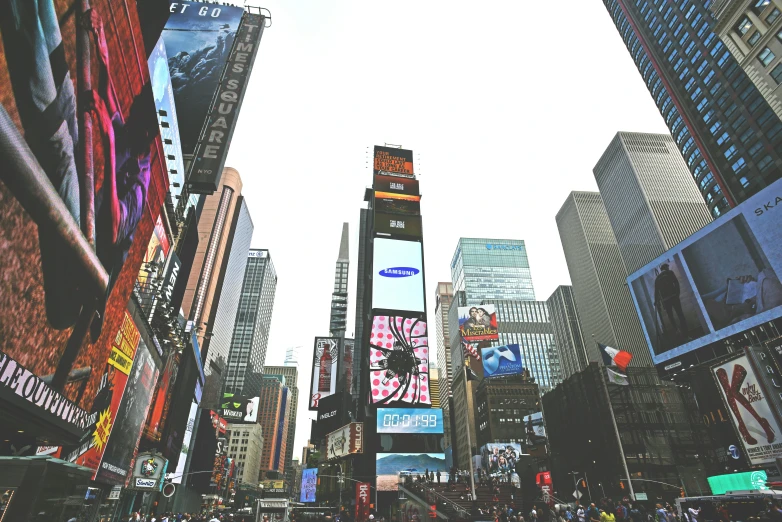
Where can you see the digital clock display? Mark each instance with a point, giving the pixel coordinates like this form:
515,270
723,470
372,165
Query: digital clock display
409,420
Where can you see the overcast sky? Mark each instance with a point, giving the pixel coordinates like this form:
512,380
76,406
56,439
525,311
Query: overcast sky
506,105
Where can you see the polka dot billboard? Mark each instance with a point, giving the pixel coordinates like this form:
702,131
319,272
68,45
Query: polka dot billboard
399,361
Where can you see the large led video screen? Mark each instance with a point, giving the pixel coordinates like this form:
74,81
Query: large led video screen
239,409
73,239
325,368
502,361
409,420
535,428
398,225
500,457
718,282
393,161
388,467
478,323
388,202
399,361
398,276
395,184
309,485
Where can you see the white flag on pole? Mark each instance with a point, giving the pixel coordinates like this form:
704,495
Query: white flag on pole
615,377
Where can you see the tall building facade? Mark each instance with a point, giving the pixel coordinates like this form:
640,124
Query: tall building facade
491,269
442,307
362,303
649,196
750,30
291,373
271,408
245,444
597,272
339,297
252,320
729,136
568,338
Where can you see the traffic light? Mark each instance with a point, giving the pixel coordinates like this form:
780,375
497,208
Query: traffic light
681,493
621,485
583,483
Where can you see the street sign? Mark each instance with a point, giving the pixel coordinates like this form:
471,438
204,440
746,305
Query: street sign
115,492
577,494
641,496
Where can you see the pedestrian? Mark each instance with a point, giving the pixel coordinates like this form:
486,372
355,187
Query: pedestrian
581,513
593,514
695,513
533,515
661,515
607,516
438,476
635,514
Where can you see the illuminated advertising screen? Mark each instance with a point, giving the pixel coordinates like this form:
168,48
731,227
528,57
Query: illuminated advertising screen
394,162
398,275
718,282
345,441
389,203
418,442
500,457
398,225
239,409
478,323
535,428
750,410
409,420
388,466
180,466
399,361
502,361
396,184
325,369
309,484
198,40
720,484
60,276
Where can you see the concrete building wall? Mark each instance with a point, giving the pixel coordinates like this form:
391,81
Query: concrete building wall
567,331
246,446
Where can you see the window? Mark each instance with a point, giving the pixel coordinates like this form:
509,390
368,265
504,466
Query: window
766,56
772,17
760,5
752,40
743,26
776,73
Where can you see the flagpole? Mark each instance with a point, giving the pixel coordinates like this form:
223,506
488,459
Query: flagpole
603,379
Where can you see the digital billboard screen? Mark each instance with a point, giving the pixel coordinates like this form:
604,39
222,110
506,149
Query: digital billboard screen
393,161
502,361
535,428
239,409
396,184
409,420
478,323
500,457
309,485
345,441
398,275
718,282
325,370
60,276
398,225
389,465
387,202
399,361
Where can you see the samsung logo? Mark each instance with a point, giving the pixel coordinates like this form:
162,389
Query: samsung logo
504,247
399,271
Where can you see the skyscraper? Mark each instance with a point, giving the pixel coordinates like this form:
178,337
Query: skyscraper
291,373
567,331
649,196
491,269
597,271
271,408
443,298
251,321
339,297
729,136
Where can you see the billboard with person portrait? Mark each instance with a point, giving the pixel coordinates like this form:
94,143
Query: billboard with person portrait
78,208
718,282
478,323
535,428
502,361
499,458
239,409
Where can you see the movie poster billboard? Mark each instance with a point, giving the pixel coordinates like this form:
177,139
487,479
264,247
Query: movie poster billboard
750,410
239,409
478,323
112,190
325,369
398,278
387,465
502,361
309,484
500,457
347,440
198,39
399,361
396,184
720,281
391,161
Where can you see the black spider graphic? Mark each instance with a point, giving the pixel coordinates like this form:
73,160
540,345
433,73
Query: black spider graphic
400,362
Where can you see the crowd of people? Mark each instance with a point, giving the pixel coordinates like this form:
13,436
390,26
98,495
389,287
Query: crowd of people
191,517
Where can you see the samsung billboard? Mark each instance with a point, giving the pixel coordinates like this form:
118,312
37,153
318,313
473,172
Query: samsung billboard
398,276
720,281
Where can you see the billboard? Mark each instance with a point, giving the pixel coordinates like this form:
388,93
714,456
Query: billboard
750,410
502,361
393,161
396,184
718,282
398,225
325,369
409,420
198,39
74,236
500,457
345,441
219,423
535,428
309,484
239,409
363,501
388,202
478,323
398,276
399,361
180,465
388,465
749,480
210,154
331,415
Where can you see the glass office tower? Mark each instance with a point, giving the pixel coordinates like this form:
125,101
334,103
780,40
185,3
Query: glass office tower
729,136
